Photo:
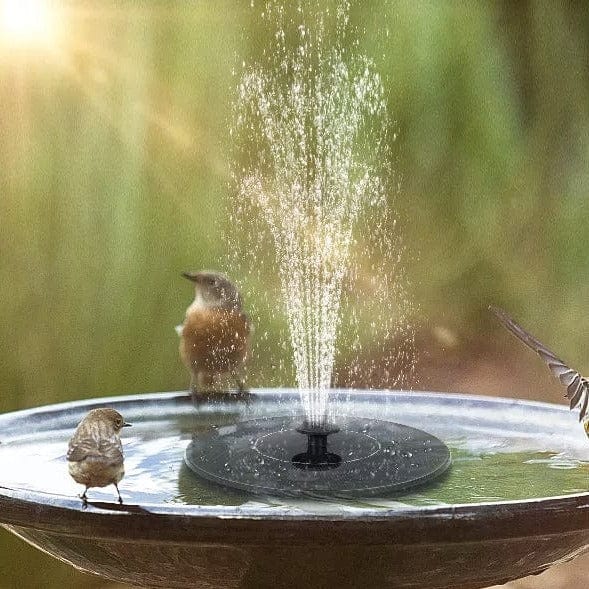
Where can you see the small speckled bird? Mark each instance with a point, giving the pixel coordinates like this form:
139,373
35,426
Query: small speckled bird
577,386
95,452
214,338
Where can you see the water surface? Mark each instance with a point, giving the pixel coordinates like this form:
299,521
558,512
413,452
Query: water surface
501,451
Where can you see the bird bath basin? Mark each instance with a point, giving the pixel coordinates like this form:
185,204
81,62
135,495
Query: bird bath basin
514,502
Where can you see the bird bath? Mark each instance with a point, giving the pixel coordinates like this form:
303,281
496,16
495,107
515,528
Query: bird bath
514,502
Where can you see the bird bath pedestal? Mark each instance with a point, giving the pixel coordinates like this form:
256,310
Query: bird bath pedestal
514,502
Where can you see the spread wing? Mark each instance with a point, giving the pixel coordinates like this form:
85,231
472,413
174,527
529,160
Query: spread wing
577,386
82,448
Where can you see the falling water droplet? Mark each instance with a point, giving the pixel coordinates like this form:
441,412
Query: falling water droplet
311,122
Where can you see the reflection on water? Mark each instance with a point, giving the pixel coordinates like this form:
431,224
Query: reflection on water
489,463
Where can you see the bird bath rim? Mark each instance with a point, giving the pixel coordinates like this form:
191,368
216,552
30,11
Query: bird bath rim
13,499
249,547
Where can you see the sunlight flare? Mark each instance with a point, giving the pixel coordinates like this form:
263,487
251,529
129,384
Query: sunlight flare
28,22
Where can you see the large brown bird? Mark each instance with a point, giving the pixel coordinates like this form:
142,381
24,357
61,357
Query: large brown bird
215,335
577,386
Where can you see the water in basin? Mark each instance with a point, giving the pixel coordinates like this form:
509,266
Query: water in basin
505,451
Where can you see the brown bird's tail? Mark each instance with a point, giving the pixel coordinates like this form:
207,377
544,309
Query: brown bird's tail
577,386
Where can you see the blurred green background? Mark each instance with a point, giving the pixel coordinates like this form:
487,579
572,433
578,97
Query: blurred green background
115,176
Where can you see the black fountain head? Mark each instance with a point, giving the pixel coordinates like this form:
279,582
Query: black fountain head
316,457
279,456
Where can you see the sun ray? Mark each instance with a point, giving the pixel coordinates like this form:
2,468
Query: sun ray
29,23
126,99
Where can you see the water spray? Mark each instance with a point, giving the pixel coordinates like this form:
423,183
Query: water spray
314,117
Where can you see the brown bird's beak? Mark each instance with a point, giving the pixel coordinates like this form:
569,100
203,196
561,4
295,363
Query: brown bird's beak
193,276
127,424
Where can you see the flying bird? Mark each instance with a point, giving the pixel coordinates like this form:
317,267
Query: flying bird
577,386
95,452
215,335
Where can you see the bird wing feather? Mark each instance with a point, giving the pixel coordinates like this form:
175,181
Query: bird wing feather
577,386
112,450
81,448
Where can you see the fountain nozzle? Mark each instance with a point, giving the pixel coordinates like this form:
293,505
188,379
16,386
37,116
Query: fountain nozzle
316,457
